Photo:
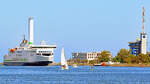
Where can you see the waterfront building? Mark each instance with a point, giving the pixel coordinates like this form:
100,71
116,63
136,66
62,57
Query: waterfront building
140,46
87,55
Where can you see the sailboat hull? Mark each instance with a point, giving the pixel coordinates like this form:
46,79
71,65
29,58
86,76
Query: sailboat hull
64,64
63,67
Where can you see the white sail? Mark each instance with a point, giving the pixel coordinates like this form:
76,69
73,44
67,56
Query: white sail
63,60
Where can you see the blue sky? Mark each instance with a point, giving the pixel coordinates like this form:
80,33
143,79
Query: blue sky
78,25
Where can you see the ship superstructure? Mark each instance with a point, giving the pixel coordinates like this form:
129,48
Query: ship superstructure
30,54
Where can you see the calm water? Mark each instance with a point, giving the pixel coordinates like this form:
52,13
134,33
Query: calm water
79,75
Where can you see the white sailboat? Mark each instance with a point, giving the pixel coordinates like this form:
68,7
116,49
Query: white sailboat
64,64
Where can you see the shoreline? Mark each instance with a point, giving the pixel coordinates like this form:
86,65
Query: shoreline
130,65
112,65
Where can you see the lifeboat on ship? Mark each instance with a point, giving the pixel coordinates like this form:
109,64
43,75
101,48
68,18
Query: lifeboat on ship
12,50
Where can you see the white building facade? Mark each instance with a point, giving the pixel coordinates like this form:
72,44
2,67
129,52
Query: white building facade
86,56
143,43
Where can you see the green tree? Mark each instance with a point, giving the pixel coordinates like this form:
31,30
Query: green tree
123,55
116,59
77,61
92,62
105,56
84,61
130,58
143,58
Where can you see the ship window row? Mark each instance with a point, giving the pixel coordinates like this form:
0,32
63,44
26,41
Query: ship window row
18,55
19,51
44,51
45,54
32,54
33,51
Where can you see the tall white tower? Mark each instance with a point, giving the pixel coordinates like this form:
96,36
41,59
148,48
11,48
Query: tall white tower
143,37
31,22
143,43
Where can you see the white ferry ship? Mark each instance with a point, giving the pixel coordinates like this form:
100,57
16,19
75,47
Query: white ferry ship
29,54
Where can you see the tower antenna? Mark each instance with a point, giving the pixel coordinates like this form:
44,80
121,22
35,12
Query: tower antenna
143,19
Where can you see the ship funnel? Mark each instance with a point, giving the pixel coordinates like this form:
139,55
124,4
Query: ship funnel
31,31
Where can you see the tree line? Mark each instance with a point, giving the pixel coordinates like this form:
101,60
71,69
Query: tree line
123,56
